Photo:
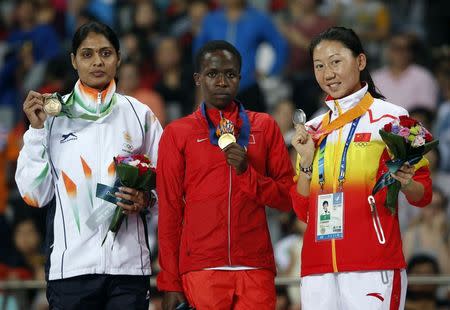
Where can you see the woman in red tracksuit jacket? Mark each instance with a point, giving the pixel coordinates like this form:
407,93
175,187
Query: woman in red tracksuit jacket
352,251
214,244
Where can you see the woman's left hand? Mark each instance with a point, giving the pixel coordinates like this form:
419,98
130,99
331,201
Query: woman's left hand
404,175
138,199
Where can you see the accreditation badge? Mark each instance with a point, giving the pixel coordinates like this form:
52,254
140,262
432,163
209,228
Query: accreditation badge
330,216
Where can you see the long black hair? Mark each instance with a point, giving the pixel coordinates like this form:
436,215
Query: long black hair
350,40
96,27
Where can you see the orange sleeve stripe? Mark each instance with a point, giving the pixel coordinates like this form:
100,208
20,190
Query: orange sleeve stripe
30,201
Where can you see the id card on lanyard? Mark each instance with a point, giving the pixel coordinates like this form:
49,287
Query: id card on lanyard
330,207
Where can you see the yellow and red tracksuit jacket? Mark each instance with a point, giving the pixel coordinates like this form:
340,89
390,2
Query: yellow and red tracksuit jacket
360,248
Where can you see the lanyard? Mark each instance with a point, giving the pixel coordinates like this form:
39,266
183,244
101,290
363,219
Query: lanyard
244,133
343,164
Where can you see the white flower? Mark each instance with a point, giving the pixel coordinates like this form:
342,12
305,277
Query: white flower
418,141
134,163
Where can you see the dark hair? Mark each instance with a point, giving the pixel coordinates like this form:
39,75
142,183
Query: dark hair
427,113
420,259
213,46
350,40
96,27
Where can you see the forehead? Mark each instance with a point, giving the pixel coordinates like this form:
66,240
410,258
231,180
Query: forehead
327,48
95,40
220,59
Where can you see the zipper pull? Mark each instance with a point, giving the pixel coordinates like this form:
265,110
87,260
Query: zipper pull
376,220
99,102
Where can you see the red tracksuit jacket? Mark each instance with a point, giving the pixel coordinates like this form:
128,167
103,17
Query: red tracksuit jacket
208,215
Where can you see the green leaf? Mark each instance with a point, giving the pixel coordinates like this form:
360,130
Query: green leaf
128,175
396,144
117,220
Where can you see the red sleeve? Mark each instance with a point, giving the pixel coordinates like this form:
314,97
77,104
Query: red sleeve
422,175
300,204
271,190
169,186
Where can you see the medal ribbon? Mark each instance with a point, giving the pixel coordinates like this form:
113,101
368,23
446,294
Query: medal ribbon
244,133
343,164
345,118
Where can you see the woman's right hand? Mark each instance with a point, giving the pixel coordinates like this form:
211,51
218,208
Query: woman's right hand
304,145
33,107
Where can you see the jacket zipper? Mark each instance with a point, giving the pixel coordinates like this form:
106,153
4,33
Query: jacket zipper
99,173
229,220
99,102
335,185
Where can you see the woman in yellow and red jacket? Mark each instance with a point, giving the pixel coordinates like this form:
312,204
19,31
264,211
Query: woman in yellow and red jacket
352,253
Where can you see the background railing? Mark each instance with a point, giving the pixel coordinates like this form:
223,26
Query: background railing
279,281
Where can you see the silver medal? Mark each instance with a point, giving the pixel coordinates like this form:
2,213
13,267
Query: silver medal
299,117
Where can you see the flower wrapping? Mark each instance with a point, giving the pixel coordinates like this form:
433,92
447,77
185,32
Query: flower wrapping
134,171
408,141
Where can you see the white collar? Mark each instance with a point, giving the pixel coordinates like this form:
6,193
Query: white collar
346,103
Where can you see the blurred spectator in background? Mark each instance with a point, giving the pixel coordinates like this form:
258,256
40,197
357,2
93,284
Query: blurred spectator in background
25,262
299,23
282,113
422,296
428,234
30,46
371,21
146,23
402,81
287,255
283,301
135,49
442,124
102,10
246,28
408,215
423,115
189,27
176,85
129,85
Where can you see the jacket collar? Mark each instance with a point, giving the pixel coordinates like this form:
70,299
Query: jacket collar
89,103
344,104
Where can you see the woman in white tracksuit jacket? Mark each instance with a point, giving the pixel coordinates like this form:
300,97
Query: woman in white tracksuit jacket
62,161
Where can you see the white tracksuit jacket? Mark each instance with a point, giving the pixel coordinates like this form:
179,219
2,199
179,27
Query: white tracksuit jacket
60,166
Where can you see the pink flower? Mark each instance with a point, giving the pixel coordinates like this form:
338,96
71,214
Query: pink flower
404,132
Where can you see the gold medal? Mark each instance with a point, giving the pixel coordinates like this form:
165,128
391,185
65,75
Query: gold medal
52,105
226,139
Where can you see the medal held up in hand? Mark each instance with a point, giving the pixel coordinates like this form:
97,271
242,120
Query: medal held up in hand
225,132
53,104
299,117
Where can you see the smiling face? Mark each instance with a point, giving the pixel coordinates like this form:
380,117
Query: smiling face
218,78
96,61
336,69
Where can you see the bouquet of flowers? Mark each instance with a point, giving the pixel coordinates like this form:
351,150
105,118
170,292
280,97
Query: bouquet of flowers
134,171
407,141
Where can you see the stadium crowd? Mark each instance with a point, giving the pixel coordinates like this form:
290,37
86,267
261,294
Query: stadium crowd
409,58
